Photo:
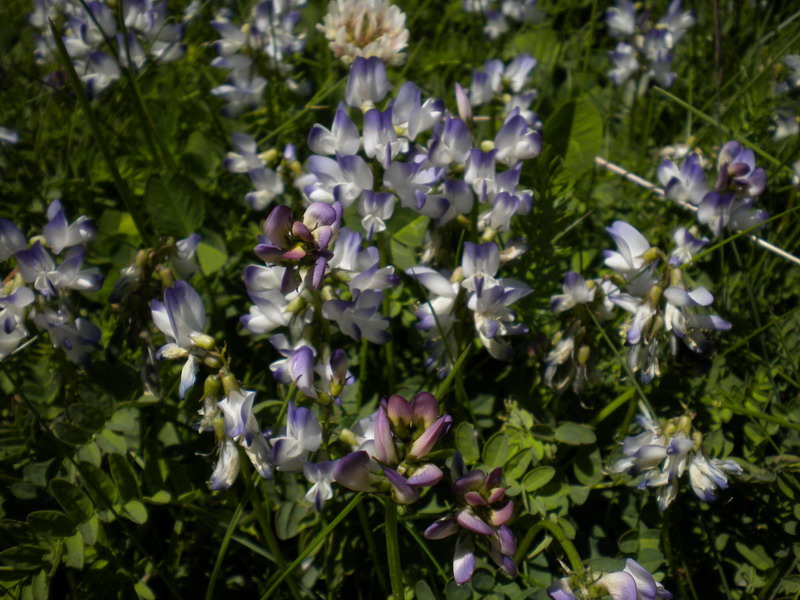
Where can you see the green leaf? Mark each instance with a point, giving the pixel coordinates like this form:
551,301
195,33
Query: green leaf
755,555
87,417
406,240
211,256
51,524
26,557
72,499
575,132
100,486
175,205
160,497
466,442
537,478
495,452
483,581
518,464
289,518
89,530
575,434
124,477
70,434
111,443
135,511
143,591
423,591
74,555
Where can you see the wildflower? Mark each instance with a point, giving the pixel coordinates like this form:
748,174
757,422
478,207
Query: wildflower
365,28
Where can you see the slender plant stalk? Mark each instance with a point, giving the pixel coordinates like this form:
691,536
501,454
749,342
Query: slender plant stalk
558,533
372,549
86,107
393,551
278,578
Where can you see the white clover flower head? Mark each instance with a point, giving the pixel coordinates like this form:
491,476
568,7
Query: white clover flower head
365,28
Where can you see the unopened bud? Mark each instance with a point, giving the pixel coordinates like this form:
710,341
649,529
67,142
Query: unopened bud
487,145
684,424
348,437
583,355
141,259
653,254
218,425
269,156
165,274
212,387
336,387
488,235
654,295
229,383
297,305
212,362
202,340
676,278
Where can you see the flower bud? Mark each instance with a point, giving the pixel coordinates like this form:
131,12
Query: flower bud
652,255
212,362
212,387
202,340
487,145
583,355
229,383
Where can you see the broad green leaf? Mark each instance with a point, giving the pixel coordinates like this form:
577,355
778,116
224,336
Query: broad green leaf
575,434
495,452
143,591
537,478
518,464
100,487
483,581
87,417
26,557
89,530
575,132
124,477
74,551
211,256
423,591
406,240
160,497
755,555
135,511
111,442
466,443
72,499
70,434
289,518
51,524
174,204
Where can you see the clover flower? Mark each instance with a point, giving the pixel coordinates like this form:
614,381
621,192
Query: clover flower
365,28
661,455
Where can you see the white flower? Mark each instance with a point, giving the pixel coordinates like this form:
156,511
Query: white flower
365,28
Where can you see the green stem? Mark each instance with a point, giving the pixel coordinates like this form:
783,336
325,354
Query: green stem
393,551
371,548
226,540
563,540
279,577
263,515
83,101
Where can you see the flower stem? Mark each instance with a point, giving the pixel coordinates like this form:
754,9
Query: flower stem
393,550
569,549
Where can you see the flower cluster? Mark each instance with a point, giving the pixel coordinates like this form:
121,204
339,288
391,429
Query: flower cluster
482,515
268,182
648,48
268,35
365,28
648,285
97,46
634,582
391,448
507,84
786,117
502,16
730,202
38,288
662,453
